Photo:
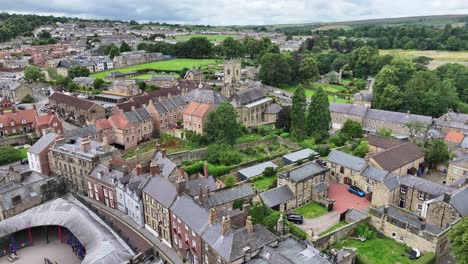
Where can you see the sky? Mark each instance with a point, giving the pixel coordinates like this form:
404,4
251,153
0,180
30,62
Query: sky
236,12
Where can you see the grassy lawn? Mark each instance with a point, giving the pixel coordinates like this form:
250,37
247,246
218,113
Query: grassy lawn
149,76
442,55
326,87
167,65
24,152
333,228
214,38
379,250
263,183
311,210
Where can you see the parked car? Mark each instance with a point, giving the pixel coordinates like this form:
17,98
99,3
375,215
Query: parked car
21,107
295,218
320,162
357,191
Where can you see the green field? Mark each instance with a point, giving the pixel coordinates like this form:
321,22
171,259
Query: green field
264,183
326,87
149,76
214,38
311,210
438,55
24,152
167,65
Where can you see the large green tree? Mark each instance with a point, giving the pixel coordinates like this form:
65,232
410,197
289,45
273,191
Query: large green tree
363,60
222,125
33,74
298,114
124,47
458,237
308,70
351,129
437,152
78,71
275,69
318,117
391,99
459,75
232,48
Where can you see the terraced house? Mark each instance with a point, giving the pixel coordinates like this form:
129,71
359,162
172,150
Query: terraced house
167,113
76,110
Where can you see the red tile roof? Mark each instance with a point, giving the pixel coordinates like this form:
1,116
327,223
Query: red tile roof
197,109
18,117
119,121
455,137
45,119
72,100
102,124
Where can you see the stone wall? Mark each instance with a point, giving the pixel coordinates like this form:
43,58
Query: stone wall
325,241
15,140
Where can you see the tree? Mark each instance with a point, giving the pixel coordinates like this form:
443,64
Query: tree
222,154
459,75
391,99
363,59
124,47
113,51
71,87
99,83
308,70
361,149
141,84
44,35
318,118
437,152
230,181
459,240
232,48
283,121
133,23
352,129
298,114
275,69
222,125
78,71
416,128
33,74
384,132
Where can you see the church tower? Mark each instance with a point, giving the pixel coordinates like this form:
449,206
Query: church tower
232,76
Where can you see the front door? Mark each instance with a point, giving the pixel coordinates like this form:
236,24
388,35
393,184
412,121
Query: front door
347,181
402,202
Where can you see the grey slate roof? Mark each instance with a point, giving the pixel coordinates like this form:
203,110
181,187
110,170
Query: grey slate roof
304,172
350,109
166,78
396,157
191,213
299,155
161,190
137,116
106,175
43,143
276,196
193,185
396,117
273,109
410,218
205,96
355,215
424,185
230,195
166,165
84,80
347,160
27,192
256,170
320,187
250,95
459,201
81,132
169,104
374,173
392,182
464,143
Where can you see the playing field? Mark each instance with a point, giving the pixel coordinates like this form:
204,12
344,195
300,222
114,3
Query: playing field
215,38
149,76
167,65
440,57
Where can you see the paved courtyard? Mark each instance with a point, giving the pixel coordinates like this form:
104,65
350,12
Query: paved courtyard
55,251
344,199
319,224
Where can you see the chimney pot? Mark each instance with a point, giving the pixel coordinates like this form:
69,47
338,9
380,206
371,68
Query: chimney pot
225,225
249,225
154,168
213,216
139,169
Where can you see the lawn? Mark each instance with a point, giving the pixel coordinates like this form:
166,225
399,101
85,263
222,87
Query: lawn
309,92
24,152
167,65
149,76
442,55
214,38
311,210
333,228
379,250
263,183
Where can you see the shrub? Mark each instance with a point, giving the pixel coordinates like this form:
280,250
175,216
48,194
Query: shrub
28,99
223,154
9,154
365,231
297,232
323,150
284,135
230,181
308,143
337,139
269,171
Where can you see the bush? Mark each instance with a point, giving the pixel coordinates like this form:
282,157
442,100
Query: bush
297,232
284,135
230,181
361,259
269,171
223,154
364,230
28,99
9,154
323,150
338,139
308,143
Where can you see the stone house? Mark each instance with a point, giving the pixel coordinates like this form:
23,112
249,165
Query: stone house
446,209
376,119
363,98
308,183
15,91
17,122
74,159
378,143
457,170
223,200
46,123
345,168
5,103
167,113
400,160
123,88
280,198
452,121
205,95
340,113
195,116
76,110
84,82
194,75
163,80
38,153
271,113
102,182
136,57
251,105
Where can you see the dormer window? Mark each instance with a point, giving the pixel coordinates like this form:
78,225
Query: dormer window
23,121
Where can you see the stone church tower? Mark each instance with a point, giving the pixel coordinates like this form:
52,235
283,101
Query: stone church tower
232,77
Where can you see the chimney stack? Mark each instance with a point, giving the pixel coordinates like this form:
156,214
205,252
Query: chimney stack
85,145
154,168
385,210
447,197
200,194
164,152
207,192
181,170
180,185
225,225
249,225
139,169
205,169
213,216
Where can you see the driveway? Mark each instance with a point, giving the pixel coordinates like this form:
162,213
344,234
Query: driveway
319,224
344,199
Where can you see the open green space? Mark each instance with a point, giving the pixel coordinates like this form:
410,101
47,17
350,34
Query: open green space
149,76
311,210
382,251
263,183
326,87
24,152
214,38
167,65
441,55
333,228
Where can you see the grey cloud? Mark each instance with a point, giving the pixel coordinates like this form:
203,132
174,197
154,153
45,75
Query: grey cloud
239,12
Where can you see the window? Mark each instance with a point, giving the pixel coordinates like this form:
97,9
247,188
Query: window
95,188
419,207
194,244
403,189
105,193
353,172
90,186
421,195
393,235
193,233
341,169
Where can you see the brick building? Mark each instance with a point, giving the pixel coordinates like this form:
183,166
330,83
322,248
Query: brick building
76,110
15,122
167,113
49,122
195,116
101,184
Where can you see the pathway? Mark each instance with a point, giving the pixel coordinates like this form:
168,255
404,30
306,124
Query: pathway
321,223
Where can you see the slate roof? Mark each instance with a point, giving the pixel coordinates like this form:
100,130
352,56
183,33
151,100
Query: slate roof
424,185
43,143
161,190
392,182
383,142
320,187
138,115
27,192
84,80
396,117
166,165
299,155
355,215
464,143
230,195
304,172
276,196
256,170
374,173
273,109
81,132
169,104
410,218
248,96
205,96
164,78
396,157
191,213
459,201
349,109
107,175
347,160
193,185
76,102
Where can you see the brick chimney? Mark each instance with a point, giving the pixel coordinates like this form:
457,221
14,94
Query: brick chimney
181,170
180,185
154,168
139,169
205,169
225,225
200,194
249,225
213,216
85,145
207,192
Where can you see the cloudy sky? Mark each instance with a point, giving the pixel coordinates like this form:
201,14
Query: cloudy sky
236,12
